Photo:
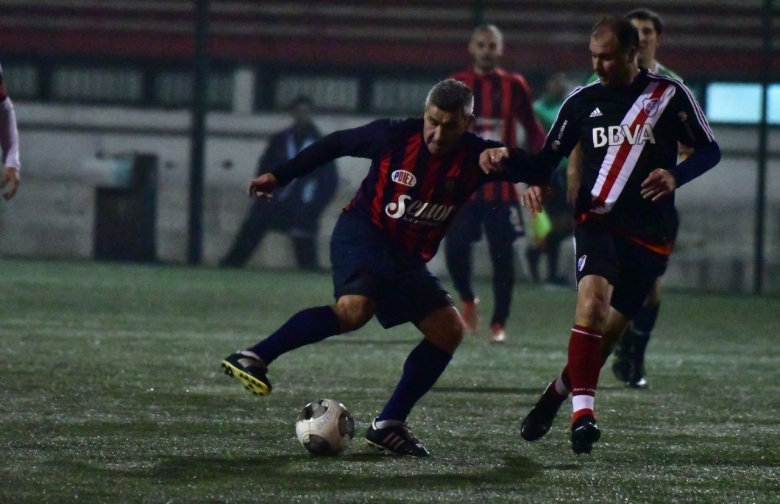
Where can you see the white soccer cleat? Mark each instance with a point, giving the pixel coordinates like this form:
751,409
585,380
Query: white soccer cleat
497,334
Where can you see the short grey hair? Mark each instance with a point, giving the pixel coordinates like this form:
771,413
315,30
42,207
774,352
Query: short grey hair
450,95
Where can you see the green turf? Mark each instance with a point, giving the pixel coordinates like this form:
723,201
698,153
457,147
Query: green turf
111,391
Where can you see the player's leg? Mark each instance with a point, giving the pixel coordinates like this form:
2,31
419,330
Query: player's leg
637,278
541,418
252,230
553,247
308,326
638,270
629,363
562,223
581,374
464,231
639,332
597,271
358,272
422,301
503,225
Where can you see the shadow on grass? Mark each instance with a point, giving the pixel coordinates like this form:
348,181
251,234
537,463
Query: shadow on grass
378,342
489,390
332,473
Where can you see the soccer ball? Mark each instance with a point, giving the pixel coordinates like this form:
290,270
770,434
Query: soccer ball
325,427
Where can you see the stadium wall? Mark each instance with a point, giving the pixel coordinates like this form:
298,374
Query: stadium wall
53,215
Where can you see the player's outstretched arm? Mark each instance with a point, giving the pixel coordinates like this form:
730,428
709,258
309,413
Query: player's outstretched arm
517,165
367,141
263,186
490,161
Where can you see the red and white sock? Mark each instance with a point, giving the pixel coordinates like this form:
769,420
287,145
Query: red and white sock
560,385
584,367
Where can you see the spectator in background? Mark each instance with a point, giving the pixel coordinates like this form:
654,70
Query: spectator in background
501,99
295,209
553,224
9,141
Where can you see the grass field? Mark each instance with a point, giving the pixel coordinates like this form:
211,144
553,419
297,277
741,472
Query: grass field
111,391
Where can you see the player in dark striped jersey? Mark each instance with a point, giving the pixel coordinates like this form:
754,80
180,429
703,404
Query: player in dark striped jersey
629,124
9,141
501,99
422,171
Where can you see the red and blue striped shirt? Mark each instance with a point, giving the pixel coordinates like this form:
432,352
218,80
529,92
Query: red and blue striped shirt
409,195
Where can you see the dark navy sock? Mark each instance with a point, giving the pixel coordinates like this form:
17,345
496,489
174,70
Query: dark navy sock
641,329
304,328
644,322
421,370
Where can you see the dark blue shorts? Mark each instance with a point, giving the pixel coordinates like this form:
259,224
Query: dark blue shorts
628,266
366,263
503,222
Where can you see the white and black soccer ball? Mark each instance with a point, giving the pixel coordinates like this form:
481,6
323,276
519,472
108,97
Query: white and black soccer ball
325,427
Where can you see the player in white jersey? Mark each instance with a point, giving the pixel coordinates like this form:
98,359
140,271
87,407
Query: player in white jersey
629,124
9,141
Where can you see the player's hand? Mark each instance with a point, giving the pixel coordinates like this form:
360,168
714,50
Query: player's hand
534,198
490,159
263,186
658,184
10,176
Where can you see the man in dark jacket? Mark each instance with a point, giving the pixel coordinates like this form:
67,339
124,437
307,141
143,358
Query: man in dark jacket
295,209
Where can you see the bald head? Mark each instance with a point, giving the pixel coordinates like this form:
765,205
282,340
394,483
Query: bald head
486,47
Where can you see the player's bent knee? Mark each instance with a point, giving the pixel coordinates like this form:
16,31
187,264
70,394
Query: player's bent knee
354,312
444,328
592,312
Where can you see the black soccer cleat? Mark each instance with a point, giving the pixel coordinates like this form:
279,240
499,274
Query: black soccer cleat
395,439
636,378
249,371
584,433
539,420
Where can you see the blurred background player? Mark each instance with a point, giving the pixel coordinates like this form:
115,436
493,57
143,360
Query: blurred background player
554,223
9,141
500,99
422,171
296,209
629,125
629,362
